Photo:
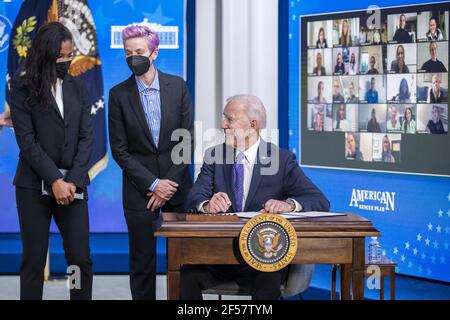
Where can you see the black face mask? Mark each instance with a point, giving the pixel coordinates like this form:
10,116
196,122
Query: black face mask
138,64
62,68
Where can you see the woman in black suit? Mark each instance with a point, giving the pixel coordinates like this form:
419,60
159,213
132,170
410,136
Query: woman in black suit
51,116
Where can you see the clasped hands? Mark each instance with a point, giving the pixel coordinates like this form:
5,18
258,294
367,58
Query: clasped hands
63,191
163,193
221,203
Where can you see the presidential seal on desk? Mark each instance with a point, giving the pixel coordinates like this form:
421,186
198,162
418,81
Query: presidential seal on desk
268,242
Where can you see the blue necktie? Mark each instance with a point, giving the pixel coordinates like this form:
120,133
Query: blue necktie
238,181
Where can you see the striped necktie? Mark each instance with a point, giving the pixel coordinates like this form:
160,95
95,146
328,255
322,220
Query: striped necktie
238,181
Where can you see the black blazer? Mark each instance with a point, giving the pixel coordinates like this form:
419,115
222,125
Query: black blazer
276,175
132,143
47,141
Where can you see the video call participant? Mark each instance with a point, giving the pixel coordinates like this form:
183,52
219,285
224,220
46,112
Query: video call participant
376,39
352,67
342,124
339,68
351,151
240,184
386,155
337,96
351,92
399,65
319,69
345,39
372,93
401,35
436,94
433,65
393,124
372,62
321,41
409,124
372,124
320,98
435,125
403,95
434,33
318,122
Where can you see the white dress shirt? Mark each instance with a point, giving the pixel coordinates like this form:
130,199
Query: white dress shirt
58,95
249,160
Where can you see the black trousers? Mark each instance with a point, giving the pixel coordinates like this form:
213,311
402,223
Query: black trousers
141,226
262,285
35,213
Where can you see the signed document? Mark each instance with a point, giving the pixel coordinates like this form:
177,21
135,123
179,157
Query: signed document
295,215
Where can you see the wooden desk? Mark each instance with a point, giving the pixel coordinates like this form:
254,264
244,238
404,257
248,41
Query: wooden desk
329,240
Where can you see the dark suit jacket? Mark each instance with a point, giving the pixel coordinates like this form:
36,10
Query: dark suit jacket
288,181
47,141
132,144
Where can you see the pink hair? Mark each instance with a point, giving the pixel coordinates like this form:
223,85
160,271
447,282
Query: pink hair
138,31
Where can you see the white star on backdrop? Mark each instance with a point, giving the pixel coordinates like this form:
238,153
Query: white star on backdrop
419,237
423,256
383,252
433,259
447,230
430,227
448,196
157,16
415,251
438,229
410,264
448,213
100,104
435,244
403,258
427,241
440,213
395,251
407,245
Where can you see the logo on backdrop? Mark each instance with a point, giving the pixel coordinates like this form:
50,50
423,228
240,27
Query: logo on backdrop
5,31
268,242
168,35
371,200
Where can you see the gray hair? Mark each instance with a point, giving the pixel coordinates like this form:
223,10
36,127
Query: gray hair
253,106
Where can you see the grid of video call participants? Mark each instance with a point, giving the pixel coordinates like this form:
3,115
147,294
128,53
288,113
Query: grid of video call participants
378,82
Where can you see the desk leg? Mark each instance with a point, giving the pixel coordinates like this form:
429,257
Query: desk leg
392,285
381,288
358,268
346,278
173,268
333,281
173,285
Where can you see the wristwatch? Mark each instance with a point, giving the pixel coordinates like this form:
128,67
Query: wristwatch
292,203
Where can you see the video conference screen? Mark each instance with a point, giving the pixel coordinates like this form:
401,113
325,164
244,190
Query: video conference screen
374,90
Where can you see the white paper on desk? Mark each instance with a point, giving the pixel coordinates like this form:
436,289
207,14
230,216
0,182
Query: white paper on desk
294,215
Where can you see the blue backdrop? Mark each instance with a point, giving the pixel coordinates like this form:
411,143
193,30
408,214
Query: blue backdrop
105,203
416,227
